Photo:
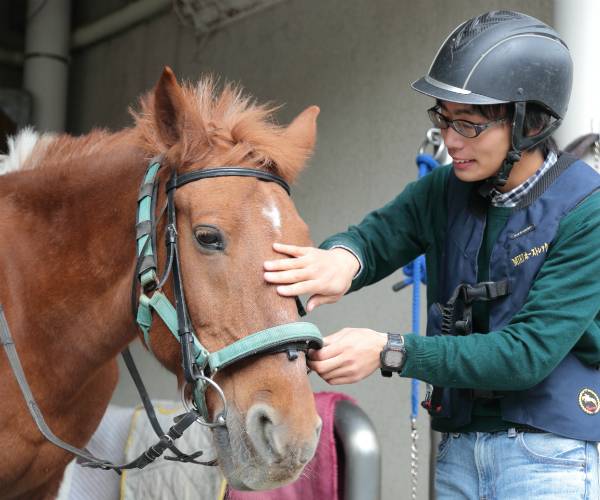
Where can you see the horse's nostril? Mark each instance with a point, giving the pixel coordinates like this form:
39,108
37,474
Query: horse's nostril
273,441
259,426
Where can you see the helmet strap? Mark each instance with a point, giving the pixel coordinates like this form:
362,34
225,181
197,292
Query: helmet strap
519,143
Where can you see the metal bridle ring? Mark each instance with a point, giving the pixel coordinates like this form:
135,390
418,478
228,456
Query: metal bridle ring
221,419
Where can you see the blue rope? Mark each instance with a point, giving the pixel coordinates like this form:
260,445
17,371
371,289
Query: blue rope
417,274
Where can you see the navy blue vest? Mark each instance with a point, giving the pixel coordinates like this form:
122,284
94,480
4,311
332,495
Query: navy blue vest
518,254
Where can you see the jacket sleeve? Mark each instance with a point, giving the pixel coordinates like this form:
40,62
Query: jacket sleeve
397,233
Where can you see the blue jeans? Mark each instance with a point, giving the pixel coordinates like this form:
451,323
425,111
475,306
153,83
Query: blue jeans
508,465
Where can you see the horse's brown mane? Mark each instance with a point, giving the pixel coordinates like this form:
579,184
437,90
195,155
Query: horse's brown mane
52,150
223,127
226,128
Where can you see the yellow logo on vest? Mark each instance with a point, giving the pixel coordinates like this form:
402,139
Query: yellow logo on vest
589,401
534,252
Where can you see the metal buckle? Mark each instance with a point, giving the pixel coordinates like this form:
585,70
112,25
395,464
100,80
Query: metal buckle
170,234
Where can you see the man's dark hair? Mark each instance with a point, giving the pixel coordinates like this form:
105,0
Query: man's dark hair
536,119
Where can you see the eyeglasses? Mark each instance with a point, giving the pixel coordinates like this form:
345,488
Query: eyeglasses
463,127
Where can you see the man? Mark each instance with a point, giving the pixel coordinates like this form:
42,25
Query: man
511,234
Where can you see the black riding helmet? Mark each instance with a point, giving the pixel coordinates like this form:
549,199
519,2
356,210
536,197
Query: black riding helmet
504,57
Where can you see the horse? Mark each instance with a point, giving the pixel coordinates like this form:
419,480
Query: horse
67,261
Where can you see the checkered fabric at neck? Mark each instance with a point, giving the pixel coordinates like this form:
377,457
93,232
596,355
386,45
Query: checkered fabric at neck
513,197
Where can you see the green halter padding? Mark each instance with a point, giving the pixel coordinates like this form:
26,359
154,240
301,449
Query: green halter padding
259,341
243,348
160,303
144,214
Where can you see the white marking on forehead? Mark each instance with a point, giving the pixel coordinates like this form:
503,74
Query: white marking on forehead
273,215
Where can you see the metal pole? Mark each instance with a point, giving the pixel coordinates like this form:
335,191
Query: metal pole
46,72
362,453
119,20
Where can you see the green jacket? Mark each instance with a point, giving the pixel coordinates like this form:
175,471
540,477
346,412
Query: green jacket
560,315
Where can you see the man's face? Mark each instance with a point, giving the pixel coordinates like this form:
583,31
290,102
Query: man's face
476,158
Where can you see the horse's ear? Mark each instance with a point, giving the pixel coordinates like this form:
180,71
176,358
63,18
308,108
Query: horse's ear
302,132
169,108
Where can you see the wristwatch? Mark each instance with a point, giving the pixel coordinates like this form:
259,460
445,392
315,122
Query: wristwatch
393,355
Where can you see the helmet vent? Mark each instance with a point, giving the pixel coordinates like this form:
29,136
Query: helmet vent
479,24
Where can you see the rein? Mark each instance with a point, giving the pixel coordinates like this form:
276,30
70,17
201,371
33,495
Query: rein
199,365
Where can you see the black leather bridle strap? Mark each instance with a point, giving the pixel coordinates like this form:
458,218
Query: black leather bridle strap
13,358
178,181
137,379
135,375
190,369
155,451
126,353
166,441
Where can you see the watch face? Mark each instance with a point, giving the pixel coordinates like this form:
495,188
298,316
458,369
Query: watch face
393,357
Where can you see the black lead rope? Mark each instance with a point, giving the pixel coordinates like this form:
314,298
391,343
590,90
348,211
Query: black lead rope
13,358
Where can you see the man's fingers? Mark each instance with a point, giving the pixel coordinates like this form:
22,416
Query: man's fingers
336,376
319,300
292,250
323,367
302,288
283,264
334,337
341,381
292,276
330,352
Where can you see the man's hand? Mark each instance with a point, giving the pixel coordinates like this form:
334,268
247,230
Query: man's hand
348,355
326,274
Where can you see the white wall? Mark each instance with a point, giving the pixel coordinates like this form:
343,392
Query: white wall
356,60
577,22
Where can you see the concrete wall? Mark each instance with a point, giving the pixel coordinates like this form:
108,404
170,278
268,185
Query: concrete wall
354,59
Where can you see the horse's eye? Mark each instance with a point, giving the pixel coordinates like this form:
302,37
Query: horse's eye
209,238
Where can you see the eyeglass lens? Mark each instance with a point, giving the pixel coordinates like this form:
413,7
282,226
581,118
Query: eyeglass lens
462,127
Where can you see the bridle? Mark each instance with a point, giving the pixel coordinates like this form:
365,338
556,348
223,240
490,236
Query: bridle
199,365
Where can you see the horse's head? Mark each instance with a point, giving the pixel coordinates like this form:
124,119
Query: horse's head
226,227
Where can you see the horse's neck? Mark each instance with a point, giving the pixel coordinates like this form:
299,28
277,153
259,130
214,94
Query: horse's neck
67,265
67,257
